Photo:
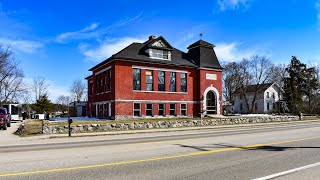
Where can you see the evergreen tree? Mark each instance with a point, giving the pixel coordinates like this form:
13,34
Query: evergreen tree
299,85
43,105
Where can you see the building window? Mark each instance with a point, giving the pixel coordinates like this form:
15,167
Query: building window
183,110
136,79
159,54
162,110
137,109
268,95
161,81
273,95
107,80
100,80
183,82
90,88
172,109
97,87
240,106
172,81
100,111
268,106
149,109
105,113
256,106
149,80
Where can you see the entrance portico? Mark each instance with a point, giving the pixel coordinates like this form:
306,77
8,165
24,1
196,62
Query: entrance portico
211,101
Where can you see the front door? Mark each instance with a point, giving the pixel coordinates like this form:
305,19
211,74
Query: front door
211,103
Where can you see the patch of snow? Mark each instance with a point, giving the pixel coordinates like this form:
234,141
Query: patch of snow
74,118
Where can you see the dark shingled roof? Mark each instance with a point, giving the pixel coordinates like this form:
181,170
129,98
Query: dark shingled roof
136,52
262,88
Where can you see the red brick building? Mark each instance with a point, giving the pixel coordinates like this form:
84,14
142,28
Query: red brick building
153,79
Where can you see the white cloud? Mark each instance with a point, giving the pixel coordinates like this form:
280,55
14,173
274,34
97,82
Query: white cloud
234,4
231,52
87,32
25,46
93,30
107,48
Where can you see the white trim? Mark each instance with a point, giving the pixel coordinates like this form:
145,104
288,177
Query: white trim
204,102
145,101
168,92
109,109
101,71
159,69
212,69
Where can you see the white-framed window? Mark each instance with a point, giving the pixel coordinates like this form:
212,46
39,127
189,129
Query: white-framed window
173,110
137,109
268,106
159,54
183,109
240,106
149,109
268,95
162,109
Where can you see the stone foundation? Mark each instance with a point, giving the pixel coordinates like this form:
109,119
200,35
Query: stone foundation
56,129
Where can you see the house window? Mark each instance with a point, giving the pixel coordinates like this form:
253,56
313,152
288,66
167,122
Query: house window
161,81
183,82
172,109
240,106
268,106
256,106
172,81
268,95
136,79
159,54
273,95
149,109
149,80
136,109
162,111
183,110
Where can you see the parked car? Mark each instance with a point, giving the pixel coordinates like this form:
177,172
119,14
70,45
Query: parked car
5,118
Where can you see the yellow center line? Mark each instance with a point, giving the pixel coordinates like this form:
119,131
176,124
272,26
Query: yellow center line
155,159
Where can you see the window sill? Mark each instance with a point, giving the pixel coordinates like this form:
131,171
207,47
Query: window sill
165,92
103,93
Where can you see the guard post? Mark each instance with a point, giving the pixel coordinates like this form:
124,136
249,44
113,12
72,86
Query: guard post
69,125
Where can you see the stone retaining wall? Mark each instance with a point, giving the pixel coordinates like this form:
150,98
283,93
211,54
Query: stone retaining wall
56,129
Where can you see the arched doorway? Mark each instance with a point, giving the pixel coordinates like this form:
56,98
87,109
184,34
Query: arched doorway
211,103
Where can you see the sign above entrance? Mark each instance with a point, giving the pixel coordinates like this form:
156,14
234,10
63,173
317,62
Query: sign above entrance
211,76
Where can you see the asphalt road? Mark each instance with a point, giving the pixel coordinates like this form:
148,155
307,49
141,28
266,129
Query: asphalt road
229,153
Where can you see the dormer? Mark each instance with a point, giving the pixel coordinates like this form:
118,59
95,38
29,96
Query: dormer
158,48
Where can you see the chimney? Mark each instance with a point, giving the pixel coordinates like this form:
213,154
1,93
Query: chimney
152,37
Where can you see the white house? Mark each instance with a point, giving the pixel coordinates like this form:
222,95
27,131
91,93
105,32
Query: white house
267,99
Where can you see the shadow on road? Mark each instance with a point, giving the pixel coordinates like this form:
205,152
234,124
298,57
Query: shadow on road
263,148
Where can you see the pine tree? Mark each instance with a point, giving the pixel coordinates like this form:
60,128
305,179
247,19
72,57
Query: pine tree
300,85
43,105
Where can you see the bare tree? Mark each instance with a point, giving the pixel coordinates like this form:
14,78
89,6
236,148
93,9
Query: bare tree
10,76
63,100
40,87
78,89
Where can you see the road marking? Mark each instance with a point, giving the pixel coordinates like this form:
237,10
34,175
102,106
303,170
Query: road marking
154,159
288,172
157,142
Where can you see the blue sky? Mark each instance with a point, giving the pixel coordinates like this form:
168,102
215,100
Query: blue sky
61,39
